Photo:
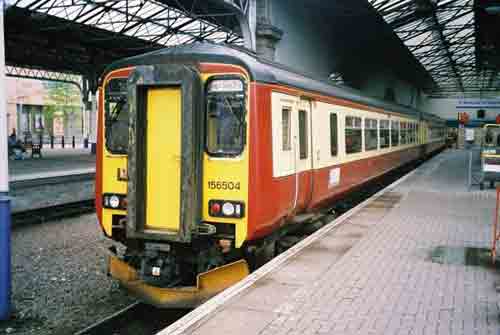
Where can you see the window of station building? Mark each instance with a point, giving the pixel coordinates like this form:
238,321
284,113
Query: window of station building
333,134
385,134
371,134
303,134
394,133
353,135
286,129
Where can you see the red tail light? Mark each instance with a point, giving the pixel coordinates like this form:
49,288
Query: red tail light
215,208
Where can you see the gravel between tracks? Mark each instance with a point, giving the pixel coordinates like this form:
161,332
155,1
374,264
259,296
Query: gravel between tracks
59,278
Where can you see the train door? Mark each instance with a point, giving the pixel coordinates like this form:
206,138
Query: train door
327,142
165,153
292,144
163,158
284,125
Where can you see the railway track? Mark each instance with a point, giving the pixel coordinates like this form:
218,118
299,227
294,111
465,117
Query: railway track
50,213
136,319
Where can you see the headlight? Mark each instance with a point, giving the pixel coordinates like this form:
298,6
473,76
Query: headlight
228,209
115,201
225,208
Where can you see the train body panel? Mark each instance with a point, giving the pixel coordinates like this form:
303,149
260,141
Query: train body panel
237,150
280,193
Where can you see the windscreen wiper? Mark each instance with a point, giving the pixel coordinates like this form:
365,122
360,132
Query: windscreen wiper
113,116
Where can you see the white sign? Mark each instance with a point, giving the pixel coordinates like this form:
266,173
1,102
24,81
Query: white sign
469,134
334,177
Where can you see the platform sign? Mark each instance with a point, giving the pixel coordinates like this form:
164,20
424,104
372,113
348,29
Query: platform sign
469,134
478,104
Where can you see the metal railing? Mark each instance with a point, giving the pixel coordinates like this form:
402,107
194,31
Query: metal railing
58,141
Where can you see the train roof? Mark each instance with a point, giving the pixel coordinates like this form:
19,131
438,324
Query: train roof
260,70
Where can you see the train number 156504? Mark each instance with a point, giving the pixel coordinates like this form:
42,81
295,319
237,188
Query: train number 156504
223,185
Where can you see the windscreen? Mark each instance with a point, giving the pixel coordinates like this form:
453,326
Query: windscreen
226,126
116,116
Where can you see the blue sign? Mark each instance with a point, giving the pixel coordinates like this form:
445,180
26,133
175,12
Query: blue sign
478,104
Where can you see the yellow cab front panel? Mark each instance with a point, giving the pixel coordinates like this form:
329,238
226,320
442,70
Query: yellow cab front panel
225,166
178,161
112,154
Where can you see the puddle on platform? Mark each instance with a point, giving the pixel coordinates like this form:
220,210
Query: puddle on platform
463,256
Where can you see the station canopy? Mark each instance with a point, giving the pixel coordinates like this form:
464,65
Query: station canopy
83,36
455,40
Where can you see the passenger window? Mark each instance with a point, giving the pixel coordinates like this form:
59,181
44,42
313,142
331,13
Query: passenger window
303,134
385,137
371,134
333,135
394,133
353,137
403,132
286,129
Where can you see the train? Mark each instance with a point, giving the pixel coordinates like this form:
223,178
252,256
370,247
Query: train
208,157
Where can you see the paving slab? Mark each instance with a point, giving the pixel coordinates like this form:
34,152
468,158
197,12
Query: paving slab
413,259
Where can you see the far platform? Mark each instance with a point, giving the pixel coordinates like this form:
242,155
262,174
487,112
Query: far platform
60,177
412,259
54,162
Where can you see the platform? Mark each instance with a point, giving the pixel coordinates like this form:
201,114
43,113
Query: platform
410,260
61,176
55,162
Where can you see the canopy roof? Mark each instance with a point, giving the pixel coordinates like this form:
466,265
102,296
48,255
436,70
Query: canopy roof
449,38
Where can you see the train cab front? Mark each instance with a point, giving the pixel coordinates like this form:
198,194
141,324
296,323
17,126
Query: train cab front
168,131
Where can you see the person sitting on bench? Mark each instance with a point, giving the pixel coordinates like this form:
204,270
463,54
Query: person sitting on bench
16,148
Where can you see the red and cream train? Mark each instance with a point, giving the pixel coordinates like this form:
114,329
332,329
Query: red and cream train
207,155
